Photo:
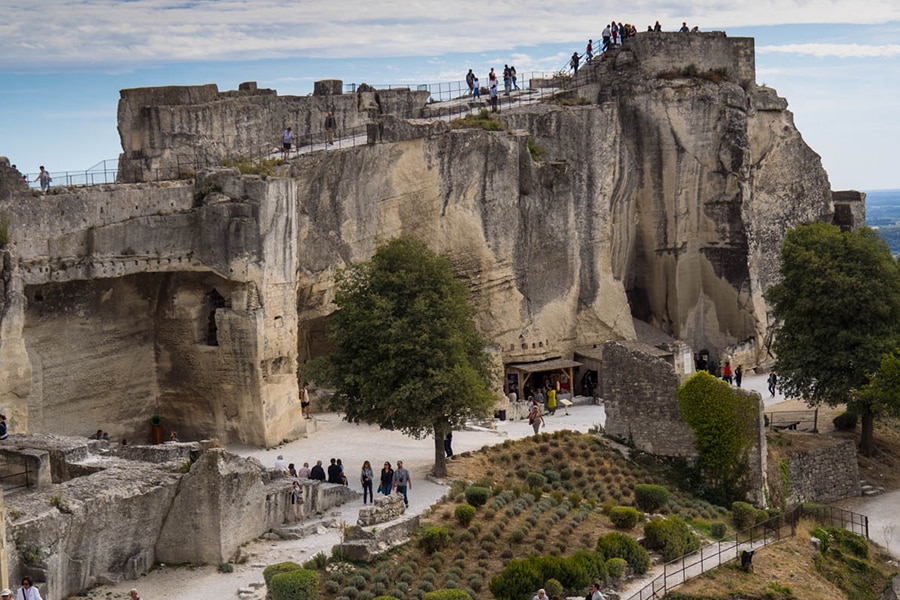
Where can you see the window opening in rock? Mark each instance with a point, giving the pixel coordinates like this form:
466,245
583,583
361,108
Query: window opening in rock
216,301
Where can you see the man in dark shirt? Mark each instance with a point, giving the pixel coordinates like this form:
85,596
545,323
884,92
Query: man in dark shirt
334,472
317,472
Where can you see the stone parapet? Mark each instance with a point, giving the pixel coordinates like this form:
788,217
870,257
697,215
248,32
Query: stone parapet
383,509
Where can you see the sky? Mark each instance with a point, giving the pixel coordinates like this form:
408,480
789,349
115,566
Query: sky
837,62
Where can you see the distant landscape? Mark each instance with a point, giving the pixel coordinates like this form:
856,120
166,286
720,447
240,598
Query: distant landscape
883,213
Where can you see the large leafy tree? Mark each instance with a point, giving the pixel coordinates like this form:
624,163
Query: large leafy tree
839,307
407,355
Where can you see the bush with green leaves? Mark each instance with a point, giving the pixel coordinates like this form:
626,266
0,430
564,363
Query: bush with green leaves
434,538
619,545
671,537
464,514
447,594
593,563
300,584
650,497
624,517
553,588
477,496
743,515
282,567
522,576
718,529
536,480
616,567
846,421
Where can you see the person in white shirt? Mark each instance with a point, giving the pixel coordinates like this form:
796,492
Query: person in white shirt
28,591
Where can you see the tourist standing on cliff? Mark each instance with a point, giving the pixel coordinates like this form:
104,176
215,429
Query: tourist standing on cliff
589,51
387,479
402,481
365,478
287,139
28,591
607,36
304,400
44,178
476,89
515,77
329,127
657,28
684,27
470,81
493,92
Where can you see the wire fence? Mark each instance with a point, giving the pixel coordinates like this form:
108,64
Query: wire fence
793,420
743,544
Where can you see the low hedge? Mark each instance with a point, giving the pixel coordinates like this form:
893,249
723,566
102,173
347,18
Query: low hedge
624,517
295,585
619,545
743,515
671,537
464,514
282,567
434,539
650,497
477,496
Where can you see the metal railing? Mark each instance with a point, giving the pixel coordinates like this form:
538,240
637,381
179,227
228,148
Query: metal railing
793,420
774,530
15,479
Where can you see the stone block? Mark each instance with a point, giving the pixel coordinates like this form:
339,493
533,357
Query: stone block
328,87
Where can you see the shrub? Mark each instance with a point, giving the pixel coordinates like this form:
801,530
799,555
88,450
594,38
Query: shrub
385,598
743,515
650,497
537,153
282,567
616,567
553,588
464,514
477,496
619,545
434,538
300,584
718,529
624,517
535,480
447,594
672,537
592,562
846,421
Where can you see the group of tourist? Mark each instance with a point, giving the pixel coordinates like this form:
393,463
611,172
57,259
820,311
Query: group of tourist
510,84
287,136
389,480
28,591
613,35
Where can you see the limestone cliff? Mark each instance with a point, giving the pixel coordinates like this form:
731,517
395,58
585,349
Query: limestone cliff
663,195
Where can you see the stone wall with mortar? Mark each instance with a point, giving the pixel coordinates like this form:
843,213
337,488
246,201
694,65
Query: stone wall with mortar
825,474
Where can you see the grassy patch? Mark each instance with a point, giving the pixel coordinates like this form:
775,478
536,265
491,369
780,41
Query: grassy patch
483,120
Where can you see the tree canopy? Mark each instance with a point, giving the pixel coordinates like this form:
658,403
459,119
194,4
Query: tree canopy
839,307
407,355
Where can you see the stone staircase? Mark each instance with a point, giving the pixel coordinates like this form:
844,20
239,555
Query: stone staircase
869,489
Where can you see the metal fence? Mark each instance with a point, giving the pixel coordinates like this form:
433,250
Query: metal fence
731,547
16,474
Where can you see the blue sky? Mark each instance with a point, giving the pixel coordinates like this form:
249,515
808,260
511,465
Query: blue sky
64,61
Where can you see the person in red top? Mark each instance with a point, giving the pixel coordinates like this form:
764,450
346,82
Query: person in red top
726,372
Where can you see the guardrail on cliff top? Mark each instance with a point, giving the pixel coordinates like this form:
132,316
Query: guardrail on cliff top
447,100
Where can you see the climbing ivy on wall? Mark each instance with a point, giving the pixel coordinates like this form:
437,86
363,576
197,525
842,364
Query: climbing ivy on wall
724,422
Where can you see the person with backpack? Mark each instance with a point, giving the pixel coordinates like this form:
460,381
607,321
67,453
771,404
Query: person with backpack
44,178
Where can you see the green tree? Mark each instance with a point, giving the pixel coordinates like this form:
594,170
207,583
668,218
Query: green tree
839,307
407,356
880,395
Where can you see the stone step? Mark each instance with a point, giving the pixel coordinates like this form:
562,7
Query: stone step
299,531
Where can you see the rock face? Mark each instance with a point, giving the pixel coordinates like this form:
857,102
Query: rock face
665,198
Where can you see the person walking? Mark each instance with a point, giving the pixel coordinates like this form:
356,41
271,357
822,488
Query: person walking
738,375
387,479
287,140
44,178
402,481
515,77
470,81
589,51
773,382
330,127
448,444
607,36
574,63
535,418
365,478
28,591
476,89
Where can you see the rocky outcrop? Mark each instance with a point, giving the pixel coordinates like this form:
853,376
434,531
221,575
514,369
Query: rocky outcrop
664,198
103,515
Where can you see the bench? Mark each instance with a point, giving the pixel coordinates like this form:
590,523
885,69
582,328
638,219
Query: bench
790,425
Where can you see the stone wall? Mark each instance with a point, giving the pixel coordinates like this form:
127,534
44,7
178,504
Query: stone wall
641,403
170,132
116,521
825,474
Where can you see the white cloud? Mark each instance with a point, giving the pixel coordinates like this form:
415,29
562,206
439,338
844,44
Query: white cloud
47,33
835,50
